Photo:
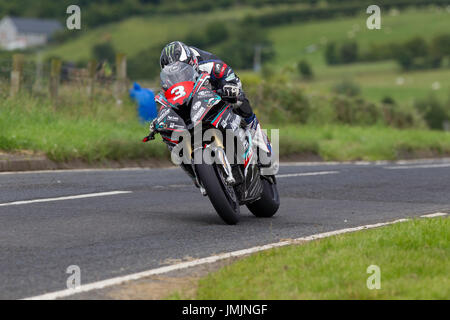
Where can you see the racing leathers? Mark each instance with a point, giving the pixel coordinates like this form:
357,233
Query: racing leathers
229,87
225,82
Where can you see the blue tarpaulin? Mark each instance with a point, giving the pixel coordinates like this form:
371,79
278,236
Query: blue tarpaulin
145,99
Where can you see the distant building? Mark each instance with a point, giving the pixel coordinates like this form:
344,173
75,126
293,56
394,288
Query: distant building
22,33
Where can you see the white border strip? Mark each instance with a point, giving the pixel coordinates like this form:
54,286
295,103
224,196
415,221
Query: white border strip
434,215
367,163
80,196
184,265
282,164
87,170
305,174
421,166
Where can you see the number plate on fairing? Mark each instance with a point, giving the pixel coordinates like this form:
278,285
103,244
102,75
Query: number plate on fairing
178,93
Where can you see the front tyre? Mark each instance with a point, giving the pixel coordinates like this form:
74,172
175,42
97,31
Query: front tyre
221,196
269,202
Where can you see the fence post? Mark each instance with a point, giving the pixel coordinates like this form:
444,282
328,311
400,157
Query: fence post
55,74
446,125
16,73
121,76
92,68
37,86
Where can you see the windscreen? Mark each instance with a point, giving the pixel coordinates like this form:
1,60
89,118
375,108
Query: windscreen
175,73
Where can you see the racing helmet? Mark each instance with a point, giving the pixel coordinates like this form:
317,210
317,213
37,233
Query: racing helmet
178,51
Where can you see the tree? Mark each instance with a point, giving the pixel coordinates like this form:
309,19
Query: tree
408,54
104,52
145,65
349,52
439,49
416,47
331,56
239,50
305,70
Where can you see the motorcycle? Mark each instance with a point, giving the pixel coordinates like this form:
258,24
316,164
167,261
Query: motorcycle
230,175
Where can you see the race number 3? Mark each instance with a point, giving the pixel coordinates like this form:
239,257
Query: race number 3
178,92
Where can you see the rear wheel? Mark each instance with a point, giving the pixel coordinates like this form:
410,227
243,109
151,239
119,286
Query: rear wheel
269,202
222,196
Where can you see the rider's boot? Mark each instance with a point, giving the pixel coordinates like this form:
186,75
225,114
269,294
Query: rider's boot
262,142
258,136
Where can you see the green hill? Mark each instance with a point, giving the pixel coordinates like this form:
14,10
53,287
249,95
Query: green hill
293,42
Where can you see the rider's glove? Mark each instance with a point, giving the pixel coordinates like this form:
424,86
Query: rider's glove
231,91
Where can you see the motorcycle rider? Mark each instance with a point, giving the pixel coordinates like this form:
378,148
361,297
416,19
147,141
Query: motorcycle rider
222,79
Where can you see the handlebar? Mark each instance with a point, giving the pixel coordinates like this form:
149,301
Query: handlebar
151,136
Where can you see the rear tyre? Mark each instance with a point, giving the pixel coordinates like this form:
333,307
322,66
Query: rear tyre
269,202
221,196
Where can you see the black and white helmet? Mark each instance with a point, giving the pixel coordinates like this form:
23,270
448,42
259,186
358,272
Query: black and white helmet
177,51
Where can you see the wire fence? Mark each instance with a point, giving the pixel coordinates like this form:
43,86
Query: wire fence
52,78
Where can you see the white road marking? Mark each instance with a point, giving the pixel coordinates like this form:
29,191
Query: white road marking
304,174
80,196
366,163
420,166
283,164
184,265
85,170
434,215
334,163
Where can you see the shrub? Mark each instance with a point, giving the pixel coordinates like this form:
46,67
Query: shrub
145,64
356,111
331,56
212,34
439,49
412,54
434,112
440,45
348,52
278,101
377,52
388,100
416,47
104,52
347,87
304,68
415,53
401,116
239,50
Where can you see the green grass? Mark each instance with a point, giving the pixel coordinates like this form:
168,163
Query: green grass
377,80
414,260
344,143
134,34
129,36
93,133
292,40
380,79
101,130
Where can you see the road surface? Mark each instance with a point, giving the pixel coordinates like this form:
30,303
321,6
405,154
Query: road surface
117,222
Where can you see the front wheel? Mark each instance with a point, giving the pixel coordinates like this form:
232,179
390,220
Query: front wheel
222,196
269,202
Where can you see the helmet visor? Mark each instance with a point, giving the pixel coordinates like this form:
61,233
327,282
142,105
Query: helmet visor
175,73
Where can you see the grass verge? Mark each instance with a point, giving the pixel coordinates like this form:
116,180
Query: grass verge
101,130
413,258
91,132
346,143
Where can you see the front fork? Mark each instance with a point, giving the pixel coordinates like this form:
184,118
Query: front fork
219,151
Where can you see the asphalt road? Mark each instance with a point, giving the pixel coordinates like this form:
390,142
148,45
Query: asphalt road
163,216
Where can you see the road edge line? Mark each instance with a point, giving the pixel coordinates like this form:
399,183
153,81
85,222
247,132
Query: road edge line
63,198
211,259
